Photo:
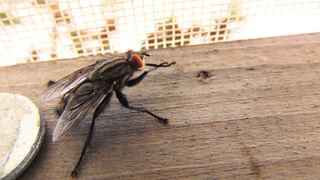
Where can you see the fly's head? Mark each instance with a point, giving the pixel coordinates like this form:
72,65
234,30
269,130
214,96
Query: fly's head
136,59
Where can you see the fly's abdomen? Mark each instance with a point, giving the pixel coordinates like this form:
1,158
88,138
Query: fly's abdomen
62,104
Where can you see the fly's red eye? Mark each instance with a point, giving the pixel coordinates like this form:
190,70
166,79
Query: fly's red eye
137,60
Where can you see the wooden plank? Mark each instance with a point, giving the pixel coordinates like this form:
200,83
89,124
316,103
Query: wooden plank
255,116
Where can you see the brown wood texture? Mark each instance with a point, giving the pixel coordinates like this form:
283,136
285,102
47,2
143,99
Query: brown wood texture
255,115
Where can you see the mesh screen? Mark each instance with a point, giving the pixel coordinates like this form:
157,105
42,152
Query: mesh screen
34,30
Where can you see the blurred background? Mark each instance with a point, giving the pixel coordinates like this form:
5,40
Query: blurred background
41,30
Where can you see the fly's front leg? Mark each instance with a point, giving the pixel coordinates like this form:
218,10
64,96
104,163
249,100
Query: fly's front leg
123,100
137,80
164,64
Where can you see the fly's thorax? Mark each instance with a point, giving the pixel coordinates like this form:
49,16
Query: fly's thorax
110,70
116,72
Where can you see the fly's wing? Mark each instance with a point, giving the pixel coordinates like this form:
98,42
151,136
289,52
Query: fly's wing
82,101
70,81
65,84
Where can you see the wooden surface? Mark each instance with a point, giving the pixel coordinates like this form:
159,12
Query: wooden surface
256,115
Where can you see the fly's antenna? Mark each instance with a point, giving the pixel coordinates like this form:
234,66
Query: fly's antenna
129,53
145,54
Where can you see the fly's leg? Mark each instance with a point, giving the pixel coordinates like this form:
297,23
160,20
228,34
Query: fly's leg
75,170
164,64
123,100
137,80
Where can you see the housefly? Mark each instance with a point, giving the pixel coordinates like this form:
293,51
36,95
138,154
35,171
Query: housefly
89,90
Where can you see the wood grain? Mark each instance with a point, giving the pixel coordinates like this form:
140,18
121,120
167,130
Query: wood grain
254,114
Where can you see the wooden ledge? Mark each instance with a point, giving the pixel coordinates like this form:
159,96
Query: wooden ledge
245,110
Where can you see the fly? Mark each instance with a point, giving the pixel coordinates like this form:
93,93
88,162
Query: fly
90,89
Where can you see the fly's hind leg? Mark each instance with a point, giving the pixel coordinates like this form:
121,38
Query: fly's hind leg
123,100
100,108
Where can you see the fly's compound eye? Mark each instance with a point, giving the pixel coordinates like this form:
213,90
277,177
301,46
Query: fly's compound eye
137,61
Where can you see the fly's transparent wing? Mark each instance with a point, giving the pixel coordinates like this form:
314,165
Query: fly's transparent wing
82,101
67,83
70,81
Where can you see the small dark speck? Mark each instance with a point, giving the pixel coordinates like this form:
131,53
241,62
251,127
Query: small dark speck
316,106
203,74
215,51
250,69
